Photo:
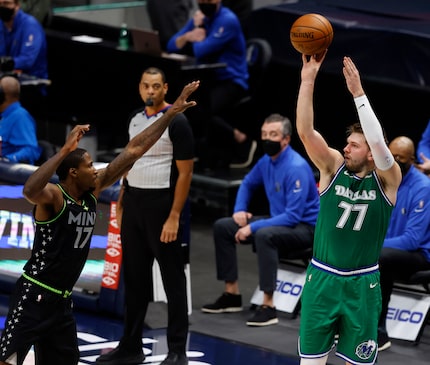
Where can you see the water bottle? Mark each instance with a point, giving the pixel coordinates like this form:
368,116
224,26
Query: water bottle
124,37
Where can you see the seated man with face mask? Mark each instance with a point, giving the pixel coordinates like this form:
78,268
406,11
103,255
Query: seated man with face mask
23,40
214,35
406,248
290,187
23,49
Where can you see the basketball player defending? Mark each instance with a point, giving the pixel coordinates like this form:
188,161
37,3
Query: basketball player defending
40,311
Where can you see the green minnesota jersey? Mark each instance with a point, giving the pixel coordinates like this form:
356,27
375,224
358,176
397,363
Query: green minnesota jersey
352,222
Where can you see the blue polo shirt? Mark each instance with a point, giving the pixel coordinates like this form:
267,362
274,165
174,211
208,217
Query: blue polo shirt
18,132
290,188
26,43
410,219
224,43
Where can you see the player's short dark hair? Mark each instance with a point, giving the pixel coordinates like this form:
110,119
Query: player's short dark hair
72,160
356,128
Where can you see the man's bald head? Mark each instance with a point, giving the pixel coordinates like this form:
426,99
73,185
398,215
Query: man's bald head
403,150
11,88
403,146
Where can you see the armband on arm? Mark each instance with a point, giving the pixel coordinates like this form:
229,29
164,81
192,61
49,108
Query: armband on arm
373,133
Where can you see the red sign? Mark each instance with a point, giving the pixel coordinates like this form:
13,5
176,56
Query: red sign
112,267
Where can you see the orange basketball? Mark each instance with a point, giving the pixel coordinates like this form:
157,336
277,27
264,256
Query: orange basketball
311,34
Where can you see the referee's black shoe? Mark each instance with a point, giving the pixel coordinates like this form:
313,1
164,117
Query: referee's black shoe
120,356
175,359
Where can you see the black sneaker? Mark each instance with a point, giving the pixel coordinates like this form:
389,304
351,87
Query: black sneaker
245,154
264,316
120,356
175,359
226,303
383,341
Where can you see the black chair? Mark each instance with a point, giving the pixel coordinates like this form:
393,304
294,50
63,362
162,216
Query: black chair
258,57
300,258
418,282
421,278
48,150
245,113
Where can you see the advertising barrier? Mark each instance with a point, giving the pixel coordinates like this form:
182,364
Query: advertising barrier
289,287
407,315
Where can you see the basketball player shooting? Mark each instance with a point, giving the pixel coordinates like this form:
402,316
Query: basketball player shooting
358,189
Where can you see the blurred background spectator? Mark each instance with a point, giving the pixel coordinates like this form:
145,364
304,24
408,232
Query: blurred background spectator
214,35
40,9
23,39
17,126
23,50
168,16
423,151
243,9
406,248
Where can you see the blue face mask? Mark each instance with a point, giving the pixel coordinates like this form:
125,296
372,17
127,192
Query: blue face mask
208,9
271,147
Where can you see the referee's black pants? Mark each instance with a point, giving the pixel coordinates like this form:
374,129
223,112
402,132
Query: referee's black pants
145,211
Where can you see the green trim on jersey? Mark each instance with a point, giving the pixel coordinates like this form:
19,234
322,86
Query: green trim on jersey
56,217
64,206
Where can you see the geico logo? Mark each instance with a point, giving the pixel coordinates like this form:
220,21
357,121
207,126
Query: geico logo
286,287
404,315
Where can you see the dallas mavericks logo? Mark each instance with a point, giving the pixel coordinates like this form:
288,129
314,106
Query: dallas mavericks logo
365,349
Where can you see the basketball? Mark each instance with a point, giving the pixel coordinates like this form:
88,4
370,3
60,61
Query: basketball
311,34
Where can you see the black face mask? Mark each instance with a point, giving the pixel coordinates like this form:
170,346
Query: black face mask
404,167
6,14
208,9
271,147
